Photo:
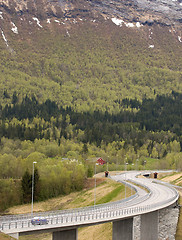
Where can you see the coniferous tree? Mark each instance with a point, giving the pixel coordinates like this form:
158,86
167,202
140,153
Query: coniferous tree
85,149
14,98
36,184
26,184
6,94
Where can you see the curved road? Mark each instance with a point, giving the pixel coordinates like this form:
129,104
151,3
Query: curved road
160,195
157,197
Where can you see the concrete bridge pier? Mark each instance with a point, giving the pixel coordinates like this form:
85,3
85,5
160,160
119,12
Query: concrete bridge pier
123,229
71,234
149,226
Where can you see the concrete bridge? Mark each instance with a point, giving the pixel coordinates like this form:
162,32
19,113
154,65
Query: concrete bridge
64,224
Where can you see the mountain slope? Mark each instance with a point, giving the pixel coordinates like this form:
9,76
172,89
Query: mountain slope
89,54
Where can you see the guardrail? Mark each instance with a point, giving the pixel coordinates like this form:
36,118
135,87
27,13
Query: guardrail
100,207
110,205
97,213
98,216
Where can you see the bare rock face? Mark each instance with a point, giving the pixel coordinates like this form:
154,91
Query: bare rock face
39,8
164,12
168,11
46,8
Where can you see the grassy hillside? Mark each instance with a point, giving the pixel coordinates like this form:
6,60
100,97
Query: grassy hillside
107,190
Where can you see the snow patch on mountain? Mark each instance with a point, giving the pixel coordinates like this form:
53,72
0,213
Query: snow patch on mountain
150,33
138,25
38,22
14,28
1,17
179,39
67,33
130,25
120,22
6,41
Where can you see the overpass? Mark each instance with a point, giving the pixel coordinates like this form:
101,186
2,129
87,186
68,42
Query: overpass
64,224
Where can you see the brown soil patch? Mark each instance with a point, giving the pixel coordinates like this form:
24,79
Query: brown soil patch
172,178
90,182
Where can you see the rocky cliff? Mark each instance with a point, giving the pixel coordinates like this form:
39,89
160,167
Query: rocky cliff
168,12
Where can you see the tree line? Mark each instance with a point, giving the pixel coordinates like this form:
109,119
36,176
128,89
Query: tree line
30,120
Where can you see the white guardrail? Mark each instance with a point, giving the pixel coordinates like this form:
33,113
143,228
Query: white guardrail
98,213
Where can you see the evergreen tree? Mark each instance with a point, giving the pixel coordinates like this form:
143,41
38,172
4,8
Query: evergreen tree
6,94
14,98
36,184
26,184
85,149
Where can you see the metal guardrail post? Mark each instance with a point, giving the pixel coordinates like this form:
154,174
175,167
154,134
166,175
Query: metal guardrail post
108,210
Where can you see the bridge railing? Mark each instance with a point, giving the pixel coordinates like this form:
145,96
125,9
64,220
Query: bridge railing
82,217
100,207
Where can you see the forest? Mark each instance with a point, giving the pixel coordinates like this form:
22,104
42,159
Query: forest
135,123
66,101
65,143
93,69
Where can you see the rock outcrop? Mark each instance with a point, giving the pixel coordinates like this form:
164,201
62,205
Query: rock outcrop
167,12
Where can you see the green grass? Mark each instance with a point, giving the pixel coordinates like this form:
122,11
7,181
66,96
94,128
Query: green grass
85,194
112,195
140,186
151,163
78,200
5,237
176,180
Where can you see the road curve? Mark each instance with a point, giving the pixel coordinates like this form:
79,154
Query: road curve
158,196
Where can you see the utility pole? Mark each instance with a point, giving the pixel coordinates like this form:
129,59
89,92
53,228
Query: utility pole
125,176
